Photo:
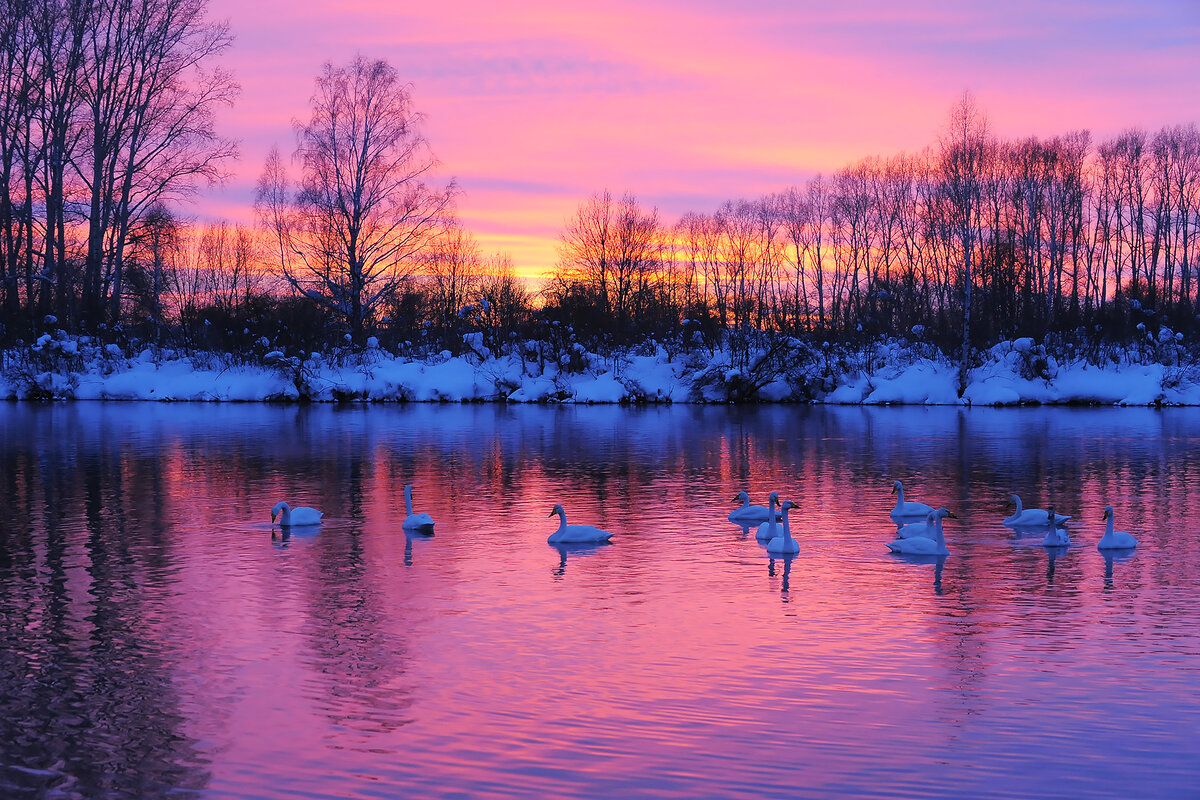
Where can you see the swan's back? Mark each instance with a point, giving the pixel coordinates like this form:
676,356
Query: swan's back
768,530
421,520
1117,540
783,545
751,514
306,516
1056,537
912,530
579,533
918,546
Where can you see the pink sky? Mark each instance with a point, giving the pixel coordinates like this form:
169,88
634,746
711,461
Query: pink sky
535,105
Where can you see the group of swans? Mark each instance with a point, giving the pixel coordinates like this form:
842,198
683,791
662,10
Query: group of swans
919,525
1031,517
772,522
927,537
303,516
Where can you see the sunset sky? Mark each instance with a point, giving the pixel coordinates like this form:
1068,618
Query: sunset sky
534,105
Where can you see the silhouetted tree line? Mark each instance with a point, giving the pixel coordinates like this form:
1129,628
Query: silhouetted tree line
106,117
967,242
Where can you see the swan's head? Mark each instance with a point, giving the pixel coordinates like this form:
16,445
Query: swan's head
788,505
277,509
1108,512
896,486
740,497
1014,498
556,510
773,497
944,513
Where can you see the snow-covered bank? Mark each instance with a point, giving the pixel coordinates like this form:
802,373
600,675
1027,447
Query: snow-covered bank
1010,373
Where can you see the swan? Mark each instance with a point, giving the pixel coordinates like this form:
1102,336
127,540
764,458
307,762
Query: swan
1032,517
414,521
1114,540
295,516
575,533
927,527
747,513
910,509
1055,536
926,545
770,529
785,544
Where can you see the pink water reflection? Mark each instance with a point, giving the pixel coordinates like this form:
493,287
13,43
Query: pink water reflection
140,583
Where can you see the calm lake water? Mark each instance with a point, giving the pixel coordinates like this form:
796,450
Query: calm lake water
156,640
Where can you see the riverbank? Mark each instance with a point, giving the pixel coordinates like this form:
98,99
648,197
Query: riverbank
1011,373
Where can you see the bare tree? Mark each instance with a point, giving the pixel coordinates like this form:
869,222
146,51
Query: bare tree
363,212
964,147
150,99
613,248
452,265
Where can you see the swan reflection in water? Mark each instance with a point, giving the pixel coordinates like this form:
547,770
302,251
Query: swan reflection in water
1053,553
938,562
574,550
787,559
1111,557
420,534
283,537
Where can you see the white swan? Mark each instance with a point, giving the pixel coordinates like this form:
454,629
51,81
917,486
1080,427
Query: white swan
770,529
911,509
927,527
295,516
414,521
1030,517
1114,540
1055,536
575,533
785,544
925,545
747,514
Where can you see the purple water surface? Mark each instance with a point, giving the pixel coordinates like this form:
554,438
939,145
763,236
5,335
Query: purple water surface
156,640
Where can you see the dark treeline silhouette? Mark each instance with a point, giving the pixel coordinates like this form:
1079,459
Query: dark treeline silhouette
106,117
967,242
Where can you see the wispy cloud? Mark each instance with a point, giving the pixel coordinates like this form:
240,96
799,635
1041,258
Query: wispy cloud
533,104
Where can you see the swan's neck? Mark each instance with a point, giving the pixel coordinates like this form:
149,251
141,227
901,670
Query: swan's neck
562,519
1108,529
746,501
408,500
285,515
787,529
899,497
1020,507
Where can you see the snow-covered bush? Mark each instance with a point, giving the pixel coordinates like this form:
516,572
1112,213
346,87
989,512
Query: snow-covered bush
1026,358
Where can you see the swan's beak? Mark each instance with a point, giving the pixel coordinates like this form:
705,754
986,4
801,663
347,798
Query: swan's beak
951,515
893,488
551,514
273,515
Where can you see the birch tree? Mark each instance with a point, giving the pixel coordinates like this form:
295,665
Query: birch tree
363,210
